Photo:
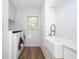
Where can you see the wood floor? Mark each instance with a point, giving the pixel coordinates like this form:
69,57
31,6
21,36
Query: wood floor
32,53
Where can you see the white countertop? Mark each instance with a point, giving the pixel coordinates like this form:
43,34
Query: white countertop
71,44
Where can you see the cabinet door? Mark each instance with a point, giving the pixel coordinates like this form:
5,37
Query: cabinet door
47,50
69,54
47,53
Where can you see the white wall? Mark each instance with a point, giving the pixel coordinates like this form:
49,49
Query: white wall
32,39
5,34
12,11
21,21
49,16
49,19
66,19
63,14
42,19
21,17
12,15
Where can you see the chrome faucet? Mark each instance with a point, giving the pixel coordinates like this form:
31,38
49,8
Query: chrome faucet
52,30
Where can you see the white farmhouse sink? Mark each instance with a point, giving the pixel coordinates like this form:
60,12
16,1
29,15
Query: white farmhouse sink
56,45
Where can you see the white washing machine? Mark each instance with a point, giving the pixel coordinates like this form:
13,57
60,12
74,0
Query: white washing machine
16,43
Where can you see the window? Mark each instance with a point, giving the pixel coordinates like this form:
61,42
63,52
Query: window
32,23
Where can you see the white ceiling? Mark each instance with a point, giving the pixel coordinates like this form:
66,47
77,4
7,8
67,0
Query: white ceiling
27,3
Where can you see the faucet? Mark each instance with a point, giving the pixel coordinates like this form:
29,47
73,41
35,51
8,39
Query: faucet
52,30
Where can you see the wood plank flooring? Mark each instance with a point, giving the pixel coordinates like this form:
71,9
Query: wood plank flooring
32,53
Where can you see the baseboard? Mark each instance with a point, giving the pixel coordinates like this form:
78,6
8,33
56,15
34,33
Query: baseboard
32,45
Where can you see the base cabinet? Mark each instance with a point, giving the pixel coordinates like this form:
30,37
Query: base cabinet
46,53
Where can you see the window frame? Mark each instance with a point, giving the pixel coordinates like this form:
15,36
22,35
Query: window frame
36,24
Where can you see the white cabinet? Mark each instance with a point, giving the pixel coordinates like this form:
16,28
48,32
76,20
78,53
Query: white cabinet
10,44
55,49
12,16
45,49
46,53
69,53
12,11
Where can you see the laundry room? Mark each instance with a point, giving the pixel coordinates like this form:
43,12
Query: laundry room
40,29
